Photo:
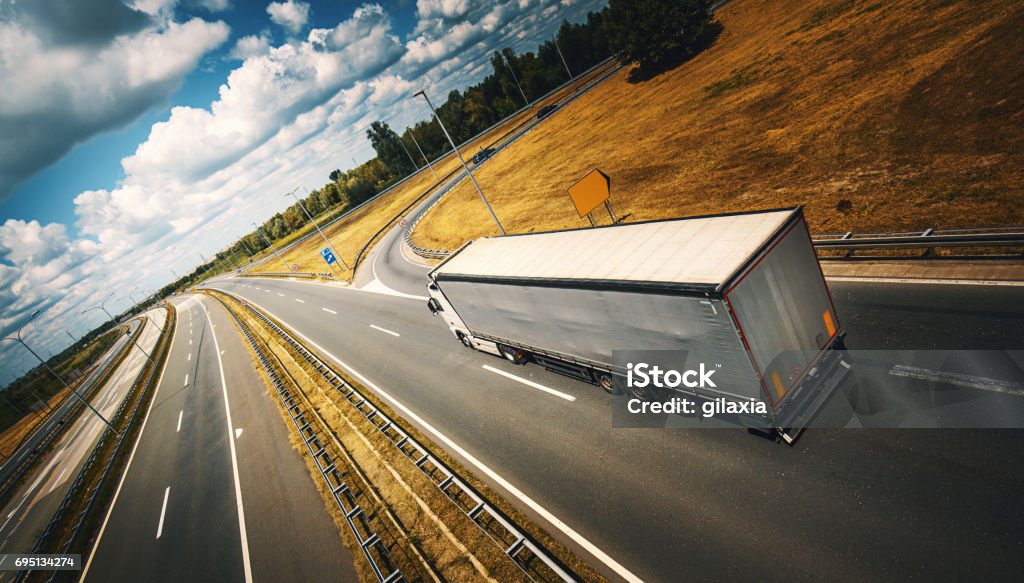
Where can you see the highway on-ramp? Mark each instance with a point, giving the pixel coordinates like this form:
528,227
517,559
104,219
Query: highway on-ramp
661,505
214,490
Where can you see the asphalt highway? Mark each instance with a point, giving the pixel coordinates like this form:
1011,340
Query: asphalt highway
33,505
664,505
214,490
12,463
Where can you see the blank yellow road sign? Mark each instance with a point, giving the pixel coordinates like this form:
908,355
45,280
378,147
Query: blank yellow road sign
590,191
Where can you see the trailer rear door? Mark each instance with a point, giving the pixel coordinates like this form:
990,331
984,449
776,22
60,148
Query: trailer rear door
784,312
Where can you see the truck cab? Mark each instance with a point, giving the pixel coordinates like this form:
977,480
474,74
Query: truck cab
440,306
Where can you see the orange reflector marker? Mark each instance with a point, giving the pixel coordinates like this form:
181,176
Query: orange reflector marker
777,382
829,324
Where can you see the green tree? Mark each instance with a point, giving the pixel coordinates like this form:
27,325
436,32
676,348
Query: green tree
389,150
654,33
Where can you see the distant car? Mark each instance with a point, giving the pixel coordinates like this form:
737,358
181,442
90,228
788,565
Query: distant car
546,110
482,155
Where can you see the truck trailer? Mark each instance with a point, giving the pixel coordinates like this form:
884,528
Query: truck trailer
742,292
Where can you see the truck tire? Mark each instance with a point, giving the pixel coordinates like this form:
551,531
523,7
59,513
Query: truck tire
605,381
465,341
512,355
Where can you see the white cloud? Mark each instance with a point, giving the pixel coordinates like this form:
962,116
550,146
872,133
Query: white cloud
290,15
285,116
264,94
215,5
250,46
55,96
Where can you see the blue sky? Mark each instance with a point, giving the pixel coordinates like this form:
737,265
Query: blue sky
144,132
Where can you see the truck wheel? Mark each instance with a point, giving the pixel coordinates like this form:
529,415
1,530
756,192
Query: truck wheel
465,341
607,383
511,354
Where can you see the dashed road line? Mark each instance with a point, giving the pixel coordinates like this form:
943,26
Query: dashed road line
530,384
384,330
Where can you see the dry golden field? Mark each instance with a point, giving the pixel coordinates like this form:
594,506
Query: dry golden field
351,233
875,115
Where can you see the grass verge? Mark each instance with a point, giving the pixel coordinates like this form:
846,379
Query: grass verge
451,543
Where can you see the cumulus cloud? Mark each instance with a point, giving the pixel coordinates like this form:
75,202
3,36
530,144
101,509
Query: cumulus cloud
289,15
56,95
264,94
250,46
285,116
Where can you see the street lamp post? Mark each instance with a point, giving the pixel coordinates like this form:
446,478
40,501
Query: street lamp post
425,159
103,307
516,79
462,161
317,227
271,245
554,42
406,150
19,340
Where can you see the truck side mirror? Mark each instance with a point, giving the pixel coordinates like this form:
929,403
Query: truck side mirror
434,306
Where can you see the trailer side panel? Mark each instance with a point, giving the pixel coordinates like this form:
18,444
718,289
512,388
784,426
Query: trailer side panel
590,324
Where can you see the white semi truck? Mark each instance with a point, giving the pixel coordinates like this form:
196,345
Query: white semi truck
742,292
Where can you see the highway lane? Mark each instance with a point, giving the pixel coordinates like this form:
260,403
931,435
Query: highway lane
33,505
177,516
12,463
666,504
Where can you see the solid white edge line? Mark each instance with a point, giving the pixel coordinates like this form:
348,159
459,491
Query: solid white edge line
529,383
914,280
384,330
163,512
516,492
180,415
234,455
329,311
131,456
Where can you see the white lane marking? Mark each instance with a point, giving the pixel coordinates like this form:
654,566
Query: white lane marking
234,457
280,294
57,481
189,356
180,415
959,379
459,450
913,280
190,342
223,351
384,330
300,301
163,512
186,379
529,383
238,432
329,311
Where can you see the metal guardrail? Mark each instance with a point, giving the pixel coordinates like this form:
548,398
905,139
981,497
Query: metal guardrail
928,240
346,497
527,554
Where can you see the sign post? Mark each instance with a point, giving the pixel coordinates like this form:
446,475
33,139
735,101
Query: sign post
591,191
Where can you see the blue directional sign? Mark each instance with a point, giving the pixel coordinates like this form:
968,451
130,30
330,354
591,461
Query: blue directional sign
328,256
